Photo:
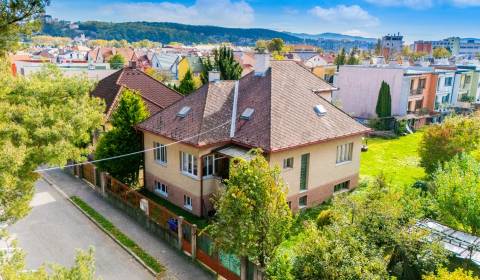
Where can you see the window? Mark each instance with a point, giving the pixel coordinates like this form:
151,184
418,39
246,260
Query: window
302,201
468,79
448,81
344,152
161,189
341,186
304,171
209,165
160,152
188,164
421,84
289,204
288,162
187,202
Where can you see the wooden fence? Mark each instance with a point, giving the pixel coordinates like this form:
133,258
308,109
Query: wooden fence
178,232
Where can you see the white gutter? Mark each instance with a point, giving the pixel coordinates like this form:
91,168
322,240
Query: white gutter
234,111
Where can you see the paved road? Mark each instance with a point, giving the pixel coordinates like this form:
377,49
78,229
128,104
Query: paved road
178,265
54,229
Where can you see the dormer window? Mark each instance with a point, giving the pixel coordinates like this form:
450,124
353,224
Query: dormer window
320,110
247,114
183,112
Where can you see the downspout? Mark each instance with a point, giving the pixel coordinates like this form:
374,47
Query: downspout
234,111
201,186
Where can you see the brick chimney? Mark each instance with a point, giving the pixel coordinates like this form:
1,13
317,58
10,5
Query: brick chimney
132,64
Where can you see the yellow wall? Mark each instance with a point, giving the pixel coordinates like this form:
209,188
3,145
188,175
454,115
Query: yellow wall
183,67
322,166
321,71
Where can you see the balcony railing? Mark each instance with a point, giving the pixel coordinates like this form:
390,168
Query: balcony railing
416,91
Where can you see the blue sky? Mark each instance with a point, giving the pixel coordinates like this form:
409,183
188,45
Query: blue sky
416,19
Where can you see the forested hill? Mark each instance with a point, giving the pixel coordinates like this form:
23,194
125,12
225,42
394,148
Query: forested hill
165,32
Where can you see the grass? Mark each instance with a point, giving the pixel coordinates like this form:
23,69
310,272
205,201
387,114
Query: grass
120,236
200,222
397,158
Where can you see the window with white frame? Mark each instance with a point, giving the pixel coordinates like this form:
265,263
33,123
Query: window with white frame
209,165
344,152
160,152
341,187
288,163
188,164
161,188
187,202
302,201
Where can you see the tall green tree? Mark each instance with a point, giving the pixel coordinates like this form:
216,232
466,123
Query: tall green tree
457,192
384,101
252,216
116,61
124,139
224,62
441,142
441,53
18,18
352,58
45,119
276,45
340,59
187,84
13,267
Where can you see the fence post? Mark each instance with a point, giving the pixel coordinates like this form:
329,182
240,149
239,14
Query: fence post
94,175
180,232
243,268
194,241
103,179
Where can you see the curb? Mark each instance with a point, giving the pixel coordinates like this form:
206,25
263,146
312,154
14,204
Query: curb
130,252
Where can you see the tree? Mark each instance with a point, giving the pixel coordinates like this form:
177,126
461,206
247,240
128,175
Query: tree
13,267
384,101
117,61
340,59
457,274
158,75
224,62
18,19
441,53
441,142
352,58
378,47
457,192
187,84
252,216
275,45
45,119
261,46
124,139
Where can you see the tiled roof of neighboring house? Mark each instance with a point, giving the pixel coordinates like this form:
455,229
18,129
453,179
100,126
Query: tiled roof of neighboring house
155,94
166,60
246,60
107,52
283,101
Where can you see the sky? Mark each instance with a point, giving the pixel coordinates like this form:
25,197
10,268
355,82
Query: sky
415,19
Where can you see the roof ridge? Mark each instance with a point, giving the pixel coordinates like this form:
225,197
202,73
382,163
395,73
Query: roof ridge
203,112
159,82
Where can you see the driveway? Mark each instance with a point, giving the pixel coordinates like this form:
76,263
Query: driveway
54,229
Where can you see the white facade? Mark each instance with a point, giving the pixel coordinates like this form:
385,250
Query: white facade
445,89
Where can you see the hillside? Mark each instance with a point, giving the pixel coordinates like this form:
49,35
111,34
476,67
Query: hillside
332,36
165,32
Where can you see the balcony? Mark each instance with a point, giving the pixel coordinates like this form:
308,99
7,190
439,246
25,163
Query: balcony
416,91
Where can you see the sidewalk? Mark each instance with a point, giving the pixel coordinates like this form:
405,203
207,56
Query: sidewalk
178,266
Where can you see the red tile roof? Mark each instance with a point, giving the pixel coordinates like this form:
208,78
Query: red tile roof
283,101
155,94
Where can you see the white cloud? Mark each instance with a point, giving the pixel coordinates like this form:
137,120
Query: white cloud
205,12
345,14
356,32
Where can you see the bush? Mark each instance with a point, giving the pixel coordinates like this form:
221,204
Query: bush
324,218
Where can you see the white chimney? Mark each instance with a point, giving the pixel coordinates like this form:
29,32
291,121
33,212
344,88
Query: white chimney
262,63
213,76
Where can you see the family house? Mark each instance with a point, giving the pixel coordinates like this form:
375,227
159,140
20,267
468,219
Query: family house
155,94
278,107
192,63
166,63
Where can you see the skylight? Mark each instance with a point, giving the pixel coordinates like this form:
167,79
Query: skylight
319,110
183,112
247,114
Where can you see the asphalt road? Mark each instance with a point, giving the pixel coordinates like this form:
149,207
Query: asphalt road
54,229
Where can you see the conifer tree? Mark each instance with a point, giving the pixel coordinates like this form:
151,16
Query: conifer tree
384,102
187,84
224,62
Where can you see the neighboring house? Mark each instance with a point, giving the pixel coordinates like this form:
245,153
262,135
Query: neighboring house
444,90
166,63
412,91
392,44
464,83
144,58
246,60
155,94
103,54
277,108
192,63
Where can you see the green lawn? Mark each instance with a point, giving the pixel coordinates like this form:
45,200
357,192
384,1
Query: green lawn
396,158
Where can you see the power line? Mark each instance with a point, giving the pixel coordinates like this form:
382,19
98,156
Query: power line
129,154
